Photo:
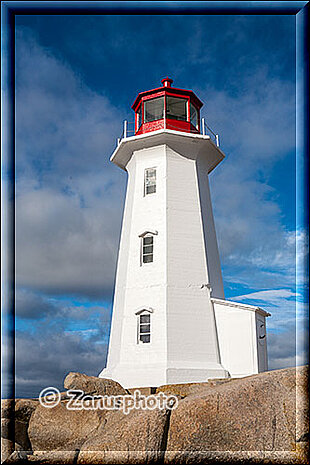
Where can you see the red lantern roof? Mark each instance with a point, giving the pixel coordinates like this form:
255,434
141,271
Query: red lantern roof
167,107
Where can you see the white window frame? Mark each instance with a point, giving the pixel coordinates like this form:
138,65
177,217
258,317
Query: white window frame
145,193
149,233
145,311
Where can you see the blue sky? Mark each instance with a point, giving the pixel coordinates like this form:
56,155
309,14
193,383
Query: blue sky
77,77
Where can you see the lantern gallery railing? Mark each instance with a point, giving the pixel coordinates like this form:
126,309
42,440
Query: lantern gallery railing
129,130
206,130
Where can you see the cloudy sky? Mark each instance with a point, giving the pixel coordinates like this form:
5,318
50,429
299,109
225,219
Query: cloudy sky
77,77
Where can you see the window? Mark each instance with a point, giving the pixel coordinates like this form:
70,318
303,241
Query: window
194,116
176,108
149,181
139,116
144,327
153,109
147,249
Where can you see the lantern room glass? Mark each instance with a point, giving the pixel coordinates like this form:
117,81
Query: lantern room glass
153,109
167,107
194,116
139,116
176,108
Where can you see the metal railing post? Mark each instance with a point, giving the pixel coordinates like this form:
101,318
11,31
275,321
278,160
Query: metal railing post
217,140
203,126
125,129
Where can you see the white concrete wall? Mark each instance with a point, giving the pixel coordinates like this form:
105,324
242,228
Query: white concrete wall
213,263
141,285
184,346
240,350
192,341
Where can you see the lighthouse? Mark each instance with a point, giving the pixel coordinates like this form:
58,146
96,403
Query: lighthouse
171,323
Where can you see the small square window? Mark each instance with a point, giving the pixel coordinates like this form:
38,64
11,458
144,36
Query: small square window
145,319
145,328
148,240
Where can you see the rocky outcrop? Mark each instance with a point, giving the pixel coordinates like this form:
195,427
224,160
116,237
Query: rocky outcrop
65,429
259,419
15,417
254,413
184,390
93,385
133,438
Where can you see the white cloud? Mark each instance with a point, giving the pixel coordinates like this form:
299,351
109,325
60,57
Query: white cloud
281,303
69,196
271,295
257,124
63,248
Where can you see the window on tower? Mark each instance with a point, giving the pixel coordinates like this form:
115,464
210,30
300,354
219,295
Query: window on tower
144,327
147,249
177,108
153,109
194,116
149,181
139,116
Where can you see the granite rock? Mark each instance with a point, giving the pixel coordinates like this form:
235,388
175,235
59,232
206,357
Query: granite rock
257,413
135,438
93,385
57,428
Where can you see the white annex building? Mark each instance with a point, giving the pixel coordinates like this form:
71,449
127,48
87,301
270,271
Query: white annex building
171,322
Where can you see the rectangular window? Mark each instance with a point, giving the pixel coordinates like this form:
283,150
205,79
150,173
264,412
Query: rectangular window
144,329
194,116
139,117
147,249
149,181
153,109
177,108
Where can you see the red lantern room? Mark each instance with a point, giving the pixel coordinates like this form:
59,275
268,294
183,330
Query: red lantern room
167,107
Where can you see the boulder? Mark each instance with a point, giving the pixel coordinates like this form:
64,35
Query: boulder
7,408
7,447
93,385
57,428
257,413
24,408
135,438
16,431
183,390
8,444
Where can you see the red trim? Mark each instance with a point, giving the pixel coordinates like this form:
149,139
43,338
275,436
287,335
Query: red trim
173,90
171,123
166,82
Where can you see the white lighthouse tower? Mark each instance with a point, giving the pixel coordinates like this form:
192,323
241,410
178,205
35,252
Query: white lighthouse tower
171,322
